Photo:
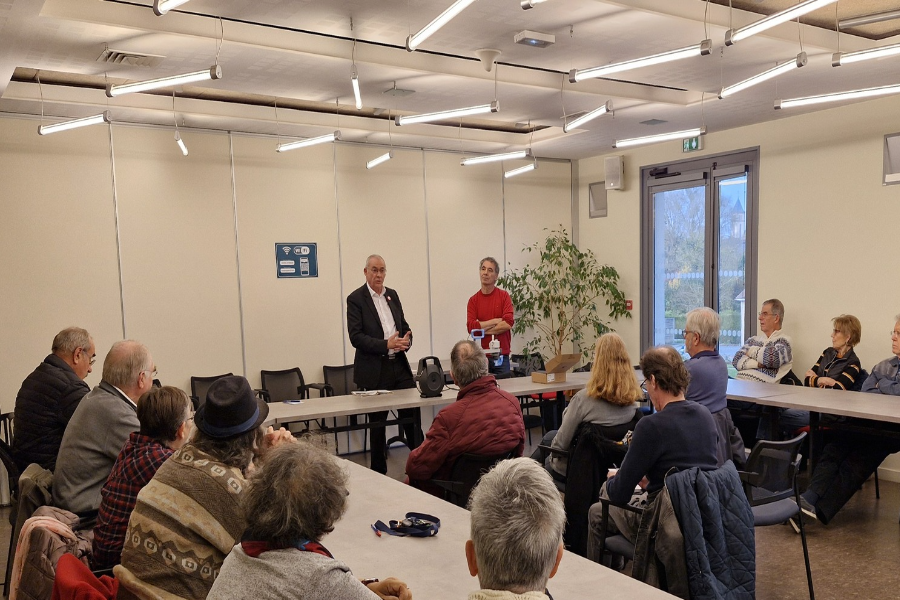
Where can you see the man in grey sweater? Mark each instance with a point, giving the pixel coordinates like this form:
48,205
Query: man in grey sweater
101,425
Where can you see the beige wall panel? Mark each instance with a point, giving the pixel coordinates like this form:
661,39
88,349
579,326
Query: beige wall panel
536,201
58,242
826,232
288,198
382,211
178,251
465,224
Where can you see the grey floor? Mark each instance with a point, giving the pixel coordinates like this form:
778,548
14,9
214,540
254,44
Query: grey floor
857,556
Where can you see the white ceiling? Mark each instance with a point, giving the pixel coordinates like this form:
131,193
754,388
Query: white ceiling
299,52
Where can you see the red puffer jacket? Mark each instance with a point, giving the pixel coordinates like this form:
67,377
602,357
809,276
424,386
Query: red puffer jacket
483,420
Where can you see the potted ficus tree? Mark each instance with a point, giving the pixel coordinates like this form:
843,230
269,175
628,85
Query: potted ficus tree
563,297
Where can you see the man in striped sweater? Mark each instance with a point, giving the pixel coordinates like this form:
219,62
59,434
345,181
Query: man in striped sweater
766,357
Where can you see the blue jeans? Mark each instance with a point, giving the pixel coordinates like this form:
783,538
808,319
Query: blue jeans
499,365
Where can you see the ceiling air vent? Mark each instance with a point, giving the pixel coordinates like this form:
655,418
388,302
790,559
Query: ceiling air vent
653,122
130,59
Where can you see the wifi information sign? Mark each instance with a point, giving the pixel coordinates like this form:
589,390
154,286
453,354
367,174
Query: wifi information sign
296,261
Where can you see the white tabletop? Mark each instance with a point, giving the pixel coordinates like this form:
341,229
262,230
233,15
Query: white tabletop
435,568
879,407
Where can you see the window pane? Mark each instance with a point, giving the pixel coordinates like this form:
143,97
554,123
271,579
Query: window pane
679,251
732,246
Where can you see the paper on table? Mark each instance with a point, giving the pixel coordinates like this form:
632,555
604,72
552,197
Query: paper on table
370,392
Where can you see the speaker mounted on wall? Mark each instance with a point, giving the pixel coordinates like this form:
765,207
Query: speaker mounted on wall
615,172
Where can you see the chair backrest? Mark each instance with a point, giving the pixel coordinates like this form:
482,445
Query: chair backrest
771,470
466,472
527,364
860,380
200,385
6,427
340,379
282,385
12,470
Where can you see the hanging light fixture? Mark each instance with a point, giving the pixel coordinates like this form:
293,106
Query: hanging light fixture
478,160
214,72
354,80
701,49
529,167
528,4
413,41
161,7
180,142
590,116
838,96
322,139
764,76
380,159
75,123
449,114
661,137
869,19
845,58
788,14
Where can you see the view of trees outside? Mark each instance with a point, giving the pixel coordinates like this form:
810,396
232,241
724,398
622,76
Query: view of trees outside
679,254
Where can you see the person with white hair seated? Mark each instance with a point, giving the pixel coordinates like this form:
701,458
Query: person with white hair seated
517,522
709,380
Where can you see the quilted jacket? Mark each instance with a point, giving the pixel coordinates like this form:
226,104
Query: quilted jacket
717,525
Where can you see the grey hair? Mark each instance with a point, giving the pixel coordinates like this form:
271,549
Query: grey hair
467,362
777,309
705,322
299,494
490,259
517,522
71,339
370,257
124,362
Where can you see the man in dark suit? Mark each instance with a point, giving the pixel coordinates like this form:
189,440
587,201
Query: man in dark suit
381,336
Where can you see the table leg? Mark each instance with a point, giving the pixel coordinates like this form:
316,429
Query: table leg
815,440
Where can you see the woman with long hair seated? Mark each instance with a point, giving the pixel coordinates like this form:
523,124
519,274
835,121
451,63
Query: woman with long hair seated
293,502
610,398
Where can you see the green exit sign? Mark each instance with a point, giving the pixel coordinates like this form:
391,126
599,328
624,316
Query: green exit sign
692,144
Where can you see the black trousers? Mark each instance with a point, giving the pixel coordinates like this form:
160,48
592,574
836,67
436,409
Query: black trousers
394,376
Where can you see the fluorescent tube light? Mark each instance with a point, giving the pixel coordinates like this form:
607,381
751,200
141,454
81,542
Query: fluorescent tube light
662,137
845,58
478,160
322,139
527,4
354,79
701,49
380,159
95,120
838,96
869,19
180,143
512,173
161,7
413,41
788,14
764,76
214,72
449,114
597,112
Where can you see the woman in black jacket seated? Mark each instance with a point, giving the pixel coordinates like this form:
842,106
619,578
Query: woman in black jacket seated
838,368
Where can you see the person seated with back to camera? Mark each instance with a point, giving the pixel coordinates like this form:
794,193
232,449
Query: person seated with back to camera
484,420
166,417
610,398
709,380
850,458
293,502
516,530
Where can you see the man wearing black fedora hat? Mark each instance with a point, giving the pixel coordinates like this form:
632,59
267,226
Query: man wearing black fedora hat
189,516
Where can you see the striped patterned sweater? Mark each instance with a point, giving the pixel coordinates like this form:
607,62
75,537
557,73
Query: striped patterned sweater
185,522
765,359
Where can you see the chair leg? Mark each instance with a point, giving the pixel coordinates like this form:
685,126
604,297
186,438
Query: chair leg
9,561
877,491
809,581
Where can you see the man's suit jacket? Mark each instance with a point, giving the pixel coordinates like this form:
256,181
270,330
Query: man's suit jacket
367,335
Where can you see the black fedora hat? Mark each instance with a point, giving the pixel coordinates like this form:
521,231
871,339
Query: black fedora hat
231,409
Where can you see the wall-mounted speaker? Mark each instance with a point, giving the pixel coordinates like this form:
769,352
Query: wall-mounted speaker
615,172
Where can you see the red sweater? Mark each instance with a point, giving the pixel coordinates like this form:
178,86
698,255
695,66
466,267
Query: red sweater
483,420
484,307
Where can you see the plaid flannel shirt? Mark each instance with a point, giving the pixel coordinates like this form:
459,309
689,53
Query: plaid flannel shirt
135,467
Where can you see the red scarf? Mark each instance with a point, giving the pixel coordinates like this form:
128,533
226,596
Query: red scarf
254,549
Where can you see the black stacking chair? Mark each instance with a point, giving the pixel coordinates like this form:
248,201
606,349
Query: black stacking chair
199,387
466,472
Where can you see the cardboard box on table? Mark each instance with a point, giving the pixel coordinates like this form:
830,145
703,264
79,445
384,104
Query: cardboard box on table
555,369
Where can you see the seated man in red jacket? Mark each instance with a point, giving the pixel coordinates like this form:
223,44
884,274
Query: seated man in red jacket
484,420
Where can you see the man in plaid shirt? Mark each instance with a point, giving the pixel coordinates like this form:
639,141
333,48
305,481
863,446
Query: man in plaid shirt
166,419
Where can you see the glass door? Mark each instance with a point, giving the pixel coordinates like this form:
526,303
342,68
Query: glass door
730,199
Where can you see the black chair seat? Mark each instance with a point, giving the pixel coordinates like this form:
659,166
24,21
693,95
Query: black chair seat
619,544
774,513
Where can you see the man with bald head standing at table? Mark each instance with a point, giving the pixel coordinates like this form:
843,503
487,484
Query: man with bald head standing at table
379,332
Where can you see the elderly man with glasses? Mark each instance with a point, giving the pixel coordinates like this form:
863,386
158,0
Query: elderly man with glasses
101,425
49,396
766,357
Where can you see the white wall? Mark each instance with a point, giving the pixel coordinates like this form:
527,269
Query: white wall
827,226
184,220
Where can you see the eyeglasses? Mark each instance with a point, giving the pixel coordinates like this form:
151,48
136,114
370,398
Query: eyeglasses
152,371
644,385
685,332
86,353
765,313
895,334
